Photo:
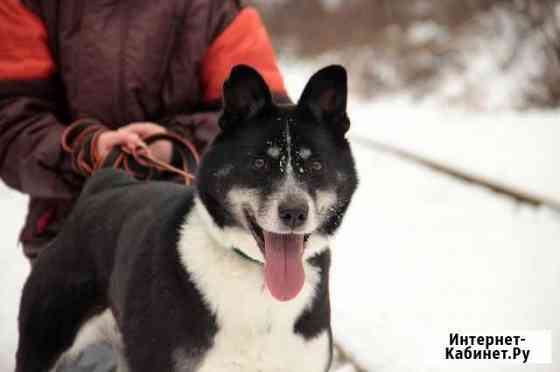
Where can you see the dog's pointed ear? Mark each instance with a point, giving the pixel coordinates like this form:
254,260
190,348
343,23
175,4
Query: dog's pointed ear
325,95
245,94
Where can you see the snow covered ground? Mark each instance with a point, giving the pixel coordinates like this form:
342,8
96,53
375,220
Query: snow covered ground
14,269
517,149
422,252
419,252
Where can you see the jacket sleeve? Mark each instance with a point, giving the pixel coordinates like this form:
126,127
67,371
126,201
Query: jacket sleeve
235,35
243,41
31,157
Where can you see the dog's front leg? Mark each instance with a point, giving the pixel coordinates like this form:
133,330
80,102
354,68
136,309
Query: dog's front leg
58,296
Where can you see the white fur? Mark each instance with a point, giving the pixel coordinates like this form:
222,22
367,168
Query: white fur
325,202
99,328
224,171
304,153
273,152
237,237
256,332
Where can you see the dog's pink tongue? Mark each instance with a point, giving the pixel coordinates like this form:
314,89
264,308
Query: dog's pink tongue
283,266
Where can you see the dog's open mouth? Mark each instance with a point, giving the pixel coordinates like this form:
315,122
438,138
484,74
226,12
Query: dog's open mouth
283,253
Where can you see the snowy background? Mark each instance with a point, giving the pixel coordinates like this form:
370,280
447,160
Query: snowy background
421,250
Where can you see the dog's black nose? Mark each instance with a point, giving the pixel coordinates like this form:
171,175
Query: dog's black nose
293,215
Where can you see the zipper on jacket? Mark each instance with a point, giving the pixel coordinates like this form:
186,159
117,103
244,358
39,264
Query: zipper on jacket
175,34
76,32
121,99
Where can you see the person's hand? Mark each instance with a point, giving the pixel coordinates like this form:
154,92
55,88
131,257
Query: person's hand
162,150
108,140
131,137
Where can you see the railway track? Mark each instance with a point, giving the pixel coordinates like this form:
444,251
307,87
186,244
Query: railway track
519,195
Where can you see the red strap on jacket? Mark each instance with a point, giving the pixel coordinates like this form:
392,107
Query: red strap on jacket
244,41
24,52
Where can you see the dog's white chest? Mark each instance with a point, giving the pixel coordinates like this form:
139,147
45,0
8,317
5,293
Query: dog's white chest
255,331
266,352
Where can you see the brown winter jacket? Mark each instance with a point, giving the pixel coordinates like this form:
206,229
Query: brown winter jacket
117,62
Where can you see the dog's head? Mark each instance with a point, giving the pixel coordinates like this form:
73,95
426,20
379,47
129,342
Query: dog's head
278,179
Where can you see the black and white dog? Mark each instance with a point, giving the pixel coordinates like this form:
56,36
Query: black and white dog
231,276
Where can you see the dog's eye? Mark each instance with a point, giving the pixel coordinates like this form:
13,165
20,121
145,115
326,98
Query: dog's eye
258,163
316,166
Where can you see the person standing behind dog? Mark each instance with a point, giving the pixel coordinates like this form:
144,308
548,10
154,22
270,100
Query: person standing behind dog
128,68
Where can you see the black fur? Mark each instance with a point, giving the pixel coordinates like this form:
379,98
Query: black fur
118,249
318,122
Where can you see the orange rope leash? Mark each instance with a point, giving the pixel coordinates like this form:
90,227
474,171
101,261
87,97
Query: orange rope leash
74,142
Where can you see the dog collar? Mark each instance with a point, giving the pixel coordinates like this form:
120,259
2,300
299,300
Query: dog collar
243,255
